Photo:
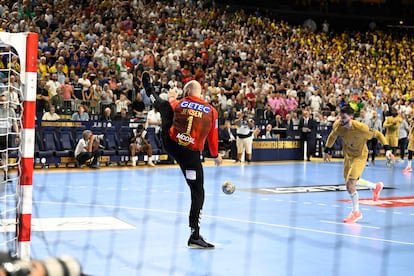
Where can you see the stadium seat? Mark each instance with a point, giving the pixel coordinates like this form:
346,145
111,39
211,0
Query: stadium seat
66,142
42,156
78,133
50,141
124,137
152,139
110,142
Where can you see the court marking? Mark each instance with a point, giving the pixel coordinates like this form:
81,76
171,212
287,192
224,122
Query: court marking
349,224
245,221
71,224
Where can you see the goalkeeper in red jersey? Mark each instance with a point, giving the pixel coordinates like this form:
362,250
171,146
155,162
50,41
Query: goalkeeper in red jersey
186,125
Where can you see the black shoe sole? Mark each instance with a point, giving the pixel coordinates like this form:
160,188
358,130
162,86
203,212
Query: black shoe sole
194,243
197,246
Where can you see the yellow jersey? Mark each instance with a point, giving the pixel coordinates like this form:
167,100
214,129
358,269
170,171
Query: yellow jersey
354,139
392,125
411,138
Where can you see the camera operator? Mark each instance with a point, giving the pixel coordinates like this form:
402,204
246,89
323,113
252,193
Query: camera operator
13,266
245,126
87,148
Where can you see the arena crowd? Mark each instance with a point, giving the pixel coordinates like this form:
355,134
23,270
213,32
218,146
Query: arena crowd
92,53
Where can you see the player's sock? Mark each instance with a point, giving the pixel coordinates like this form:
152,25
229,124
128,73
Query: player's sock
134,160
195,233
409,163
366,183
355,201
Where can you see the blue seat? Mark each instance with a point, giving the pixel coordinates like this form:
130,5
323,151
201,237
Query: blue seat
124,138
66,142
152,139
78,133
42,155
50,141
110,142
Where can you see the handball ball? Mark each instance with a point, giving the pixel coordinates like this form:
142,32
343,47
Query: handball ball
228,187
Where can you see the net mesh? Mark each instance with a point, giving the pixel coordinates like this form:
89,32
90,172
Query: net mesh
157,213
11,113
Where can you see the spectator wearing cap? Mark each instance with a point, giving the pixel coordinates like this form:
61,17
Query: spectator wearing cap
43,67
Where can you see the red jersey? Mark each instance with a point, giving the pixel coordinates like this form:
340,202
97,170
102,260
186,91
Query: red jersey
194,122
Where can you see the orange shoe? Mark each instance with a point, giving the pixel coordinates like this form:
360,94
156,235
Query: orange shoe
376,192
407,169
353,217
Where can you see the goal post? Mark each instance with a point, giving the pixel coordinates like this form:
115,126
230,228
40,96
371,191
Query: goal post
26,45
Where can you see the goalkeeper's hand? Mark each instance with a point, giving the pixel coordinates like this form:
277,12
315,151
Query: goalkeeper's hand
218,160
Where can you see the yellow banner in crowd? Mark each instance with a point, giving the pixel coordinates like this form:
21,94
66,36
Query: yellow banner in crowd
276,144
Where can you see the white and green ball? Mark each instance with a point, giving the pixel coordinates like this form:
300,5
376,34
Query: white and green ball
228,187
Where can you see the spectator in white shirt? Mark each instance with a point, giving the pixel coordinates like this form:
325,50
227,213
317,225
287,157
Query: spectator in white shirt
50,115
154,120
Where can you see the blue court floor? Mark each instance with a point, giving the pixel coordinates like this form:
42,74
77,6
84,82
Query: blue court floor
283,219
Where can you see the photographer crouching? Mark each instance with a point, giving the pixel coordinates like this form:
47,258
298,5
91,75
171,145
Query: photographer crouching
87,148
245,126
62,266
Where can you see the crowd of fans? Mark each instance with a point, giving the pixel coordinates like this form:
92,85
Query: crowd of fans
92,53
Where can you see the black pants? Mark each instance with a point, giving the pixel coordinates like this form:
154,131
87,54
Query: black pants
85,156
310,145
372,145
232,146
189,162
402,144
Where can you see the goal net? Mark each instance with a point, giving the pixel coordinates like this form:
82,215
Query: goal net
18,61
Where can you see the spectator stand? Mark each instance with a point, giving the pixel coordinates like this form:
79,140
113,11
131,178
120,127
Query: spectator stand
56,141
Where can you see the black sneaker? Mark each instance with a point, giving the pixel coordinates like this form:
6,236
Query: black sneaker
94,166
199,243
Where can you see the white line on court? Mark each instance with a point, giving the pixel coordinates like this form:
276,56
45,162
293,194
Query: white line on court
304,229
348,224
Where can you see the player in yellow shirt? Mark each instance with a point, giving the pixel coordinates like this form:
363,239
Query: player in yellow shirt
354,136
410,148
391,126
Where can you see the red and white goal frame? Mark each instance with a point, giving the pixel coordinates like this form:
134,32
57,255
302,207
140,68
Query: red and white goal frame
26,45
